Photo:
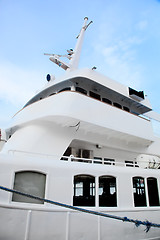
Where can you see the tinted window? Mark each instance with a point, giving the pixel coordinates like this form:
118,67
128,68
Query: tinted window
107,101
126,109
84,190
117,105
95,95
81,90
153,192
107,191
139,192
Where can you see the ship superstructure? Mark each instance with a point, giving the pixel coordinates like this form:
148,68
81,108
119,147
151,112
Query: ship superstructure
83,140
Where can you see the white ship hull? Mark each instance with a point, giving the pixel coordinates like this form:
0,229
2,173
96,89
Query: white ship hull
26,224
20,220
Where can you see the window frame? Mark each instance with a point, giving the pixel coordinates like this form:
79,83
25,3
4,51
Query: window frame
115,193
148,191
84,197
34,171
137,203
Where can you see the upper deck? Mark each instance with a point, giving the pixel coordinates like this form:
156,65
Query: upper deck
112,111
90,80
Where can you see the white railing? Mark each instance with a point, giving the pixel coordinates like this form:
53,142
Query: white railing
102,161
110,162
98,161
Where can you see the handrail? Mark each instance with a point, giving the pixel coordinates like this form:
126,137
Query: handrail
71,158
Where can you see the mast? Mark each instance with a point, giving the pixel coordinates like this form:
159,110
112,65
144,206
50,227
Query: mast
77,52
73,56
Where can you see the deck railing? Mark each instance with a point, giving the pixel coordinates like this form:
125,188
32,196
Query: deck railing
100,161
111,162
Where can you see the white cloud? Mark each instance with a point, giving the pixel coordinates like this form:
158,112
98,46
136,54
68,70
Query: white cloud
119,57
16,84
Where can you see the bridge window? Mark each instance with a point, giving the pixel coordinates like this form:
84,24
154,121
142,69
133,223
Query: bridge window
107,191
31,183
81,90
126,109
107,101
139,192
94,95
153,191
117,105
65,89
84,190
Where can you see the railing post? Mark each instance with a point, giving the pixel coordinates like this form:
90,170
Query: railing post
26,237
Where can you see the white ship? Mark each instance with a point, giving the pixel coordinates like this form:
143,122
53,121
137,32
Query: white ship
86,141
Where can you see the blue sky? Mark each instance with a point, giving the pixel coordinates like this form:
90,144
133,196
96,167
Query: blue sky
123,43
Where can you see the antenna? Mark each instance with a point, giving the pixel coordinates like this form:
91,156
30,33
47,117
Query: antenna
73,56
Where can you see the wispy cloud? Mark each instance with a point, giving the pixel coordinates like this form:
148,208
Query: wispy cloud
16,84
122,39
119,59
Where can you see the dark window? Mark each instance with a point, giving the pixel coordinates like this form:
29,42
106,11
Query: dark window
153,192
107,191
65,89
68,152
84,153
117,105
31,183
81,90
84,190
139,192
138,94
95,95
126,109
107,101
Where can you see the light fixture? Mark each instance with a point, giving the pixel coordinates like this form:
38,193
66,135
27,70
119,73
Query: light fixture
98,146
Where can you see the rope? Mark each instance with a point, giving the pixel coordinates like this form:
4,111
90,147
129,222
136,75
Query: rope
124,219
